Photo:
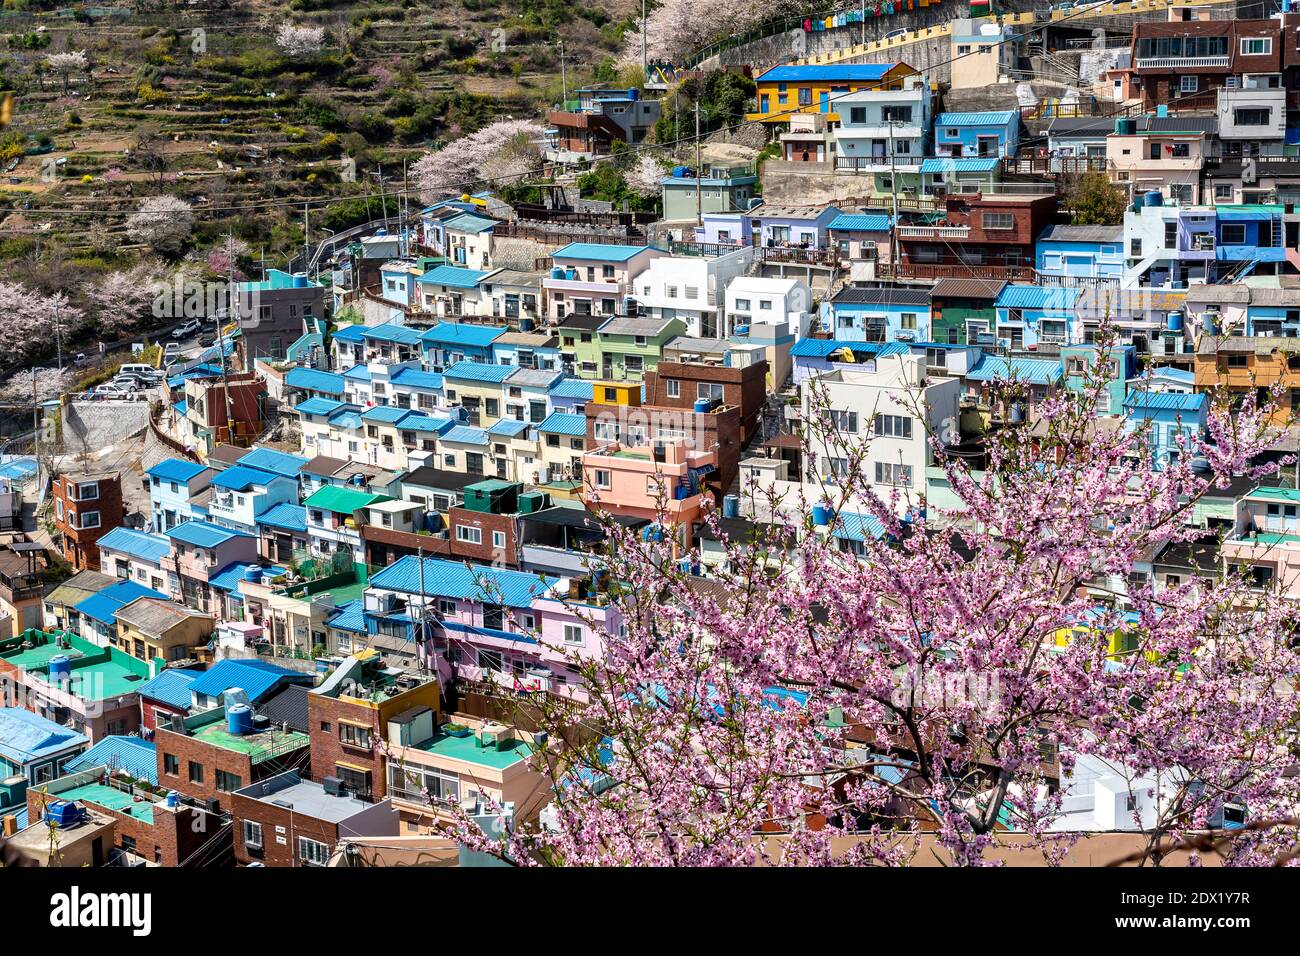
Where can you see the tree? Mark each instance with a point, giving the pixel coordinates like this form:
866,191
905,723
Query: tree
645,175
120,300
299,41
503,152
28,320
164,222
150,150
1096,201
942,677
677,28
66,63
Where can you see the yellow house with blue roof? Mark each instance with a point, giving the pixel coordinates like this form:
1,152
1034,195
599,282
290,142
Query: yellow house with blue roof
786,90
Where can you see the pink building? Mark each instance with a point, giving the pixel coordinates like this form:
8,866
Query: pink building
643,481
1266,544
592,279
200,553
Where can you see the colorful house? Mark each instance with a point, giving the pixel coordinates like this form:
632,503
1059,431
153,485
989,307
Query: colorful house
1173,422
1030,315
994,133
784,90
173,485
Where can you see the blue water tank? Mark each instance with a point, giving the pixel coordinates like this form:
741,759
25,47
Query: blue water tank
1155,198
652,532
570,274
1137,202
682,492
253,574
63,814
1174,321
702,405
300,280
173,799
239,720
731,506
821,515
633,93
557,272
742,330
60,668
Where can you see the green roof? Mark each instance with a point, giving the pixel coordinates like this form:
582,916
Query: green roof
1289,495
260,746
468,750
97,672
113,799
1270,538
342,500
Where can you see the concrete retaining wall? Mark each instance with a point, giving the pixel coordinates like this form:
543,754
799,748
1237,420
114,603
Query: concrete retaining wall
96,425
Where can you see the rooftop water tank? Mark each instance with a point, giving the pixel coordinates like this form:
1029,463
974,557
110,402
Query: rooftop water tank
300,280
821,515
60,668
173,799
701,405
253,574
731,506
1174,321
633,93
239,720
1154,198
557,272
742,330
63,814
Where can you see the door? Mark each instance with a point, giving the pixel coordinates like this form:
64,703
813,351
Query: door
824,102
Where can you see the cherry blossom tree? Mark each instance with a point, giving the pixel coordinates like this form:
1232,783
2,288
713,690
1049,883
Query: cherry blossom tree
162,221
72,61
299,41
119,300
30,319
936,683
677,28
504,152
644,176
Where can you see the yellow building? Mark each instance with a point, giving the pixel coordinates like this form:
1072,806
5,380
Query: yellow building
785,90
149,628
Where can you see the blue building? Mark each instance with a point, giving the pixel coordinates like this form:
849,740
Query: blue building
173,483
389,342
1031,315
450,342
302,383
1173,422
1245,237
34,748
878,315
1069,252
570,395
812,357
1080,360
995,133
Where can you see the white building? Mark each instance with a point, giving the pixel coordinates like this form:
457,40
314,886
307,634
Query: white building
876,123
755,300
690,288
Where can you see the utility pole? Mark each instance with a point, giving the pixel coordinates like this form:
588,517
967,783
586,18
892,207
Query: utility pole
564,81
645,69
699,184
233,312
306,245
402,211
383,199
864,22
893,191
58,334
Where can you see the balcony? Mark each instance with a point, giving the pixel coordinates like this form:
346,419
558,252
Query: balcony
954,270
1182,62
933,232
797,254
877,164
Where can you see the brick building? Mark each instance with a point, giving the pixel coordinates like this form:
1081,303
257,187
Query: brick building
86,507
681,384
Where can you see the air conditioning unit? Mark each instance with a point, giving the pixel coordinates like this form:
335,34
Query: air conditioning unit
334,786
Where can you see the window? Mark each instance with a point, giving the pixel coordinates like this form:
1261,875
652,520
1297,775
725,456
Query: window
87,490
908,321
937,358
350,735
858,115
1233,234
312,852
888,473
844,421
1252,117
490,660
602,478
196,772
1188,84
708,390
674,387
573,634
998,220
469,534
1179,150
171,765
499,540
252,835
88,519
228,782
893,426
1256,46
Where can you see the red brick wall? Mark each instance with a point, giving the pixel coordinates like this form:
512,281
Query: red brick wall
294,825
327,750
212,759
743,387
79,544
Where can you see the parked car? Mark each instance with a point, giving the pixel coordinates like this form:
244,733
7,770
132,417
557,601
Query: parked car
142,369
112,390
171,352
893,35
187,329
207,339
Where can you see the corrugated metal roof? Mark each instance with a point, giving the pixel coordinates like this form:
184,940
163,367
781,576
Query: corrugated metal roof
314,380
228,578
171,687
820,348
253,677
26,737
467,435
598,252
507,428
415,378
856,527
575,388
288,705
967,289
564,423
138,544
391,332
989,118
936,165
103,607
241,477
1165,401
204,534
1031,371
385,414
852,295
285,515
175,469
318,406
461,333
276,462
864,222
341,500
452,579
827,72
349,617
627,325
468,222
453,276
1071,233
1047,298
467,371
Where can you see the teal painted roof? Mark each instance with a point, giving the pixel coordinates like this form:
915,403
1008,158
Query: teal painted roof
946,164
598,252
453,276
1032,371
990,118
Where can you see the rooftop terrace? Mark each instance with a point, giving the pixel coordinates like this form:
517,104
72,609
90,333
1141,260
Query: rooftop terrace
259,746
467,749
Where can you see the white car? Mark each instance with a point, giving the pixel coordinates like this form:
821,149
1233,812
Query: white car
171,352
112,390
189,328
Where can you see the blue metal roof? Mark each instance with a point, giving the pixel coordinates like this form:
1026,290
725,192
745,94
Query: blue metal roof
1048,298
479,372
856,527
276,462
228,578
392,332
242,477
420,422
453,579
564,423
577,388
989,118
462,333
347,418
349,333
359,373
507,428
171,687
137,544
469,222
414,378
203,534
285,515
131,755
453,276
1165,401
947,164
869,222
314,380
466,434
175,469
1032,371
104,605
253,677
821,348
598,252
831,71
384,414
318,406
26,737
349,617
18,468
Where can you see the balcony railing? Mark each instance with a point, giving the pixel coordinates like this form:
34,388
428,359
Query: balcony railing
953,270
1180,62
876,164
934,232
799,254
